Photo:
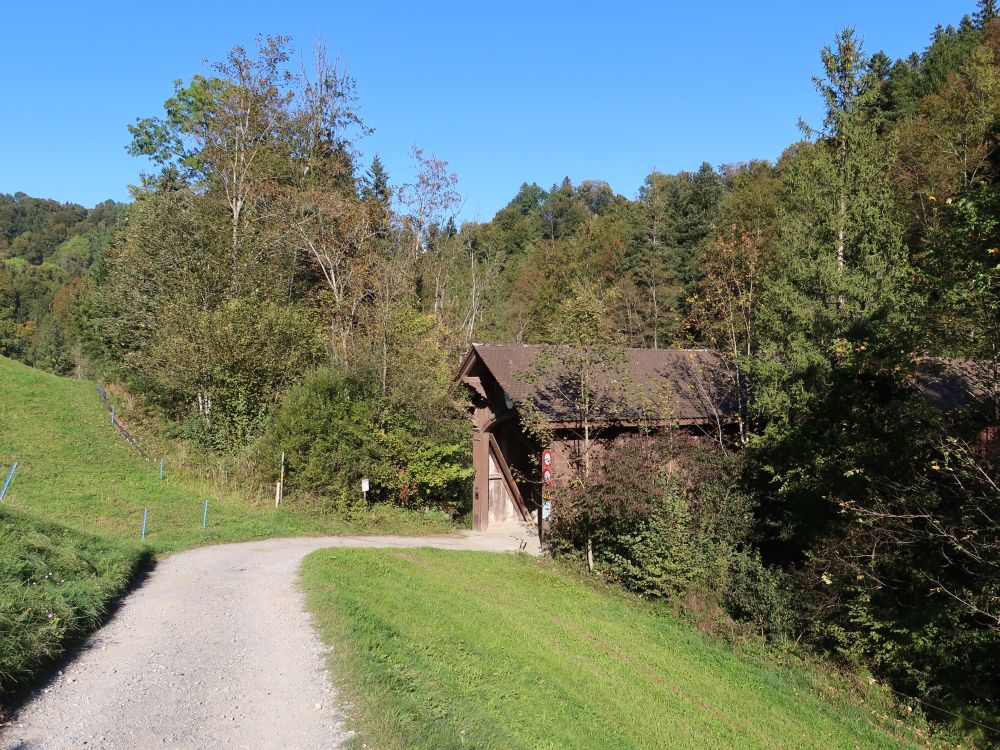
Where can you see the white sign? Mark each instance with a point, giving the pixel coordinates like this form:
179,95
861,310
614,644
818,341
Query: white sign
546,509
364,485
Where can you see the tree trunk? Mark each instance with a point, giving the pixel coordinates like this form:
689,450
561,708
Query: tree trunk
656,319
841,240
842,226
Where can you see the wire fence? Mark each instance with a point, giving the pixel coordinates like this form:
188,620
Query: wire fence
119,425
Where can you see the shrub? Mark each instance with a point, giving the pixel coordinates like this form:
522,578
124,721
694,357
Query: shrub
662,515
763,597
668,519
335,427
324,424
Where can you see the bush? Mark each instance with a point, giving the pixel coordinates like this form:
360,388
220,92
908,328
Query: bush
335,427
763,597
662,515
668,519
324,424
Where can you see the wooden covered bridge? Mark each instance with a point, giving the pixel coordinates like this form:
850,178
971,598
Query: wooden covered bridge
519,392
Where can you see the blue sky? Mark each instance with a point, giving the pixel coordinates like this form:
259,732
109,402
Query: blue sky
505,92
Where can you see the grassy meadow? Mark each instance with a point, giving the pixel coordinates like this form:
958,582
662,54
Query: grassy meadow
470,650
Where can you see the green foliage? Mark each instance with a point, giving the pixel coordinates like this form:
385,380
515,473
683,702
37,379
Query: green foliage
667,516
324,425
961,271
375,184
763,597
32,228
166,321
232,362
210,304
841,442
47,250
167,141
648,252
925,74
335,430
337,426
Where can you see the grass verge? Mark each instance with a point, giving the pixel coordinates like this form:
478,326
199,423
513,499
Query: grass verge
55,585
471,650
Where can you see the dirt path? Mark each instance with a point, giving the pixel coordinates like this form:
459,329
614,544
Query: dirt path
214,650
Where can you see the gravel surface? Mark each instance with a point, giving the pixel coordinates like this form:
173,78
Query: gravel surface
214,650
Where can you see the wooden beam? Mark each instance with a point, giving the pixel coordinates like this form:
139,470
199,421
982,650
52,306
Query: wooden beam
480,480
475,383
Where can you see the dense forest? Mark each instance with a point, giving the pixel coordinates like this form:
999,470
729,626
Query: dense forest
49,253
266,290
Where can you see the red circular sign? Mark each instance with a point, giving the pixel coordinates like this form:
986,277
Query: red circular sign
547,457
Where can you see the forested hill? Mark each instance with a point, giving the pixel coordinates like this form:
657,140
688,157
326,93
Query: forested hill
913,133
47,252
268,293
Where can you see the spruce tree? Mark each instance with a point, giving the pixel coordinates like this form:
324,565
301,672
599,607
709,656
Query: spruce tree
987,11
375,183
851,87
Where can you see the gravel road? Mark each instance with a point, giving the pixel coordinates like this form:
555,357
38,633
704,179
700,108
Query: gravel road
214,650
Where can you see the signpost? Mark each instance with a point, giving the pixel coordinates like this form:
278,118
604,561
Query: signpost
279,489
364,489
546,482
547,467
282,493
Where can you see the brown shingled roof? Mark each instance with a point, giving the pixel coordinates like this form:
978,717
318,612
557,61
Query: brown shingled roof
693,385
956,384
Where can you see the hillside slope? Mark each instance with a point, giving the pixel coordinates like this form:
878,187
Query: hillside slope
71,521
75,469
457,650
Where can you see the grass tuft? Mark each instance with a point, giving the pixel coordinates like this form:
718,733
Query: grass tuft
55,585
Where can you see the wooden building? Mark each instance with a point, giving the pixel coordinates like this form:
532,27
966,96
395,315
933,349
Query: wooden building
518,392
967,391
520,405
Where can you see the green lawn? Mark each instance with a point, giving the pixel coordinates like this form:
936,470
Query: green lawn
470,650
